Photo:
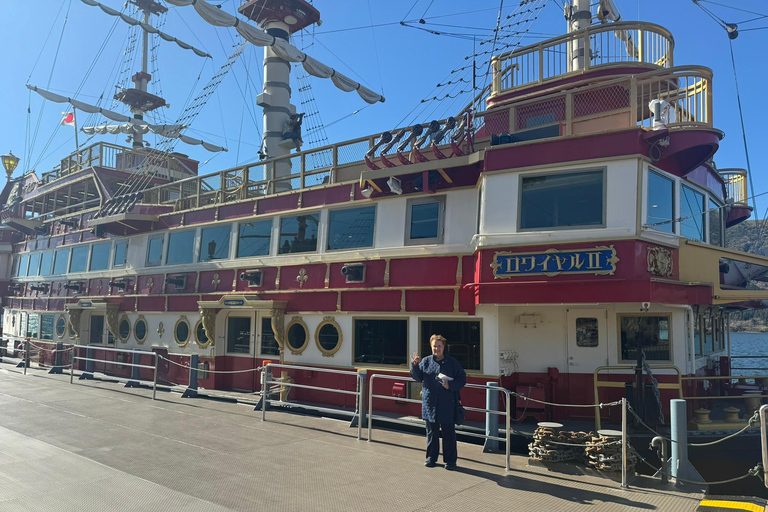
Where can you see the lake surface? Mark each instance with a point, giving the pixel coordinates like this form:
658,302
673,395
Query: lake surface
750,344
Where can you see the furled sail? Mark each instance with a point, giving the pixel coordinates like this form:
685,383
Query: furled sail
164,130
283,49
145,27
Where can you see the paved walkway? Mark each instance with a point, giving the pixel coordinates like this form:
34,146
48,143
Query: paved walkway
98,446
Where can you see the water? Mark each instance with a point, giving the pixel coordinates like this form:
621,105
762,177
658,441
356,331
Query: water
749,344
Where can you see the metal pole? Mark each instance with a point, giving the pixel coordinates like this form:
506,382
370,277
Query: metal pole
624,443
764,439
359,408
491,419
154,379
191,391
26,355
509,427
72,366
370,408
264,394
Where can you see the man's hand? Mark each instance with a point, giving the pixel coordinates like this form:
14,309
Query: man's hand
415,359
445,384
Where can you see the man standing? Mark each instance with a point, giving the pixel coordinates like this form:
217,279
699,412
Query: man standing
442,377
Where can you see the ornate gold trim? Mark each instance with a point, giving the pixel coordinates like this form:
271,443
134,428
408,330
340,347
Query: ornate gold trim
208,318
123,318
278,326
386,272
140,341
296,320
553,256
328,320
182,320
197,340
660,261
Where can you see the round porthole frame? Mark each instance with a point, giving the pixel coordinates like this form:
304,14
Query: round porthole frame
61,318
296,321
197,339
329,320
140,341
124,318
182,320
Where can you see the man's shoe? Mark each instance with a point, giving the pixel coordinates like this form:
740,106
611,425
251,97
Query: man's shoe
429,464
450,467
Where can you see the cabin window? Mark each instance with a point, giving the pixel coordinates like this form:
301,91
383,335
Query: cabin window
97,330
46,263
100,256
79,260
239,335
254,239
15,267
298,234
121,254
46,326
425,218
34,264
155,250
381,341
297,335
23,265
691,214
214,243
328,337
463,340
61,326
201,338
140,330
181,331
661,203
351,228
715,224
181,248
563,200
650,333
33,326
124,329
269,345
60,261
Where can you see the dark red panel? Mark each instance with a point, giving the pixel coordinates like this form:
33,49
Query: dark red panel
72,238
151,303
437,271
173,220
429,300
324,196
370,300
189,285
278,204
216,280
183,303
198,216
56,241
315,277
143,287
315,301
56,305
374,275
269,274
238,210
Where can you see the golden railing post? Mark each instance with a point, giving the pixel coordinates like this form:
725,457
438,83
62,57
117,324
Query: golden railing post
640,45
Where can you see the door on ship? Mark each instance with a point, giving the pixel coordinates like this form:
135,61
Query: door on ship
240,348
587,348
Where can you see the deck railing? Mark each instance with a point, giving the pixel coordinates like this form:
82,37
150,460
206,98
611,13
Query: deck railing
604,45
735,184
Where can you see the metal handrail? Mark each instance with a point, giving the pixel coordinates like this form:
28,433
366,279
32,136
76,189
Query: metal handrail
506,413
764,440
121,350
265,382
735,181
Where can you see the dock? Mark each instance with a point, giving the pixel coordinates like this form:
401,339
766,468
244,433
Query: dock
96,445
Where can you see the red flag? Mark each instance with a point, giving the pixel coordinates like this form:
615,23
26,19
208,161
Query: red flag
68,118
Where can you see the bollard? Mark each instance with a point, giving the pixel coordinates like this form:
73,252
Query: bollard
135,372
264,397
679,466
58,367
26,355
191,391
624,484
359,418
88,373
491,420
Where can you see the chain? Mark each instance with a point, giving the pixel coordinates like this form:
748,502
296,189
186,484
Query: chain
755,471
257,369
520,395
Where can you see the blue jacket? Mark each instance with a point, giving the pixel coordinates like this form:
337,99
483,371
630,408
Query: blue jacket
438,403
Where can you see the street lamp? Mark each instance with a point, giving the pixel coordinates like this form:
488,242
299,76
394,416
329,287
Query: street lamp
10,161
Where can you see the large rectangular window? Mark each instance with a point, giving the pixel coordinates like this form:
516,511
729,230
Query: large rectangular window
100,256
33,326
424,220
155,250
715,224
238,335
661,203
381,341
269,346
96,335
298,234
650,333
61,260
463,340
46,326
565,200
79,259
121,254
214,243
46,263
253,239
34,264
181,248
23,265
351,228
15,267
691,213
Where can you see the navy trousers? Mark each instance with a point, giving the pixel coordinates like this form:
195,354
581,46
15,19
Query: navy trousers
448,430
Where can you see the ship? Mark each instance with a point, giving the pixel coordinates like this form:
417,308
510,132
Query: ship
565,231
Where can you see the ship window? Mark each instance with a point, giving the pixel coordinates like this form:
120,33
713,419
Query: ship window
181,248
651,333
46,263
661,205
238,335
23,265
381,341
33,326
15,268
254,238
34,264
100,256
155,250
269,345
121,253
46,326
563,200
79,259
181,331
60,262
424,220
96,335
298,339
61,326
200,337
140,330
298,234
586,332
124,329
715,224
351,228
463,340
214,243
328,337
691,213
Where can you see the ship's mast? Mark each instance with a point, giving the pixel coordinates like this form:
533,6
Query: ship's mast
579,18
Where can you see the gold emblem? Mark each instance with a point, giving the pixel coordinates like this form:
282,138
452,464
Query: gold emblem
660,262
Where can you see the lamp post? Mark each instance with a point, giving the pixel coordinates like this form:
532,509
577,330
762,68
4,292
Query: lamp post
10,161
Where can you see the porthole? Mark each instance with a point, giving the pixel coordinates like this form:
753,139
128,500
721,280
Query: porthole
200,337
140,330
61,326
181,331
328,336
124,329
298,339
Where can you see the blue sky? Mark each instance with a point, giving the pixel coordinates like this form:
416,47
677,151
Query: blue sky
362,39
